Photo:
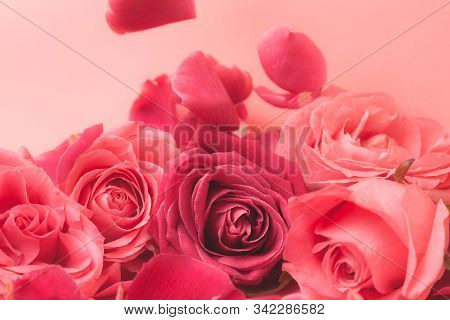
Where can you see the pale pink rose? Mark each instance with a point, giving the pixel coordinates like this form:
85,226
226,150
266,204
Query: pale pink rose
115,175
356,136
376,239
41,226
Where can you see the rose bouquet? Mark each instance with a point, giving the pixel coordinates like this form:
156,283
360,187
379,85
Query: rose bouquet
348,199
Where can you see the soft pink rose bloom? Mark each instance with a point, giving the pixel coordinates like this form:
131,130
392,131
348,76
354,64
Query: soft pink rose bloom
356,136
115,175
41,226
376,239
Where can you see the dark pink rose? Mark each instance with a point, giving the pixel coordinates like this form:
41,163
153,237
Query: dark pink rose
177,277
41,226
356,136
137,15
376,239
49,283
225,202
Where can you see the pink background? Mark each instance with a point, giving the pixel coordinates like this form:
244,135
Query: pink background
47,92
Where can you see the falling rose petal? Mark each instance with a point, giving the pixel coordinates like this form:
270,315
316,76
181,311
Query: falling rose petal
280,100
238,83
49,283
137,15
177,277
203,93
292,60
156,105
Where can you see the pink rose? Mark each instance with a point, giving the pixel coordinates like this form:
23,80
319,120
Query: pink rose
356,136
376,239
41,226
115,175
225,202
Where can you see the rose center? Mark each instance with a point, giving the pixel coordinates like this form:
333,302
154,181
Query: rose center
235,229
342,265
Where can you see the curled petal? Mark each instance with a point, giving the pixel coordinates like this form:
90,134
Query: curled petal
292,60
280,100
137,15
156,104
49,283
203,93
238,83
177,277
57,162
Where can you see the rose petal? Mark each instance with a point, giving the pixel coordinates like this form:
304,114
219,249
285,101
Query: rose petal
292,60
156,104
237,83
203,93
57,162
176,277
49,283
280,100
136,15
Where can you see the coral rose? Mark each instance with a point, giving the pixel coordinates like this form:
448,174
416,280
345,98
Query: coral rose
376,239
356,136
41,226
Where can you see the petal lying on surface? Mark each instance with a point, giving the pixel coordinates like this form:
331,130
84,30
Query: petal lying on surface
50,283
177,277
156,104
137,15
203,93
292,60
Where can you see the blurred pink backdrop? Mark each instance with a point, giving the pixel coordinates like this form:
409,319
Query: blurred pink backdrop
47,92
